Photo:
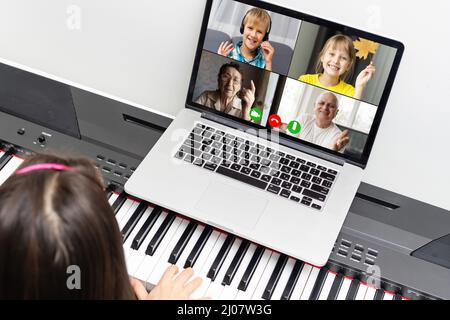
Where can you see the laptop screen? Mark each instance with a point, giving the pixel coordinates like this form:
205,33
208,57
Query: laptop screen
315,82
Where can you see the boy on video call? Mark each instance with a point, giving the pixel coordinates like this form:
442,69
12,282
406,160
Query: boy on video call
254,48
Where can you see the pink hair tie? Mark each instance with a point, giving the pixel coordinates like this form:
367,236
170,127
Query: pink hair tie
44,166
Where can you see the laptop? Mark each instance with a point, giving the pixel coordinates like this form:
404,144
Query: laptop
280,119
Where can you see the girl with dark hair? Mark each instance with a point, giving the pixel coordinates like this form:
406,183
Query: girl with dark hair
55,218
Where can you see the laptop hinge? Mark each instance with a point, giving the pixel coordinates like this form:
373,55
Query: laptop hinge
273,137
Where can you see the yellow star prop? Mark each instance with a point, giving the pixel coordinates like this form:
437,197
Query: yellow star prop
364,47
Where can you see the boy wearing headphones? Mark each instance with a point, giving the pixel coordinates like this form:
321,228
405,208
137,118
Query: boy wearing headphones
254,48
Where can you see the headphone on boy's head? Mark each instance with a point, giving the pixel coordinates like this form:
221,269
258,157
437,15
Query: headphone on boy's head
266,36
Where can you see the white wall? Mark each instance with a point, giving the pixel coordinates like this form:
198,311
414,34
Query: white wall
142,51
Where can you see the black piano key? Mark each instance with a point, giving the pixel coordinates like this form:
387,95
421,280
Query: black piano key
379,294
397,297
119,202
318,284
181,244
248,274
229,275
146,227
159,235
334,291
353,290
4,160
292,281
192,258
276,274
137,215
217,264
109,189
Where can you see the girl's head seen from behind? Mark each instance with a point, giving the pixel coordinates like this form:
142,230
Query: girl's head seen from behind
57,231
337,58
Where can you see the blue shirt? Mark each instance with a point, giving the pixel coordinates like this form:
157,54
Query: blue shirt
257,61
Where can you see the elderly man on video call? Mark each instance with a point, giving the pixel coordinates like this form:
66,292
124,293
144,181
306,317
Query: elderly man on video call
320,128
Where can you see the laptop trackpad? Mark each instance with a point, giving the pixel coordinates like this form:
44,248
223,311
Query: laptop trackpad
230,206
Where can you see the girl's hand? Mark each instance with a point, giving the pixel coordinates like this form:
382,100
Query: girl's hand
268,52
365,76
225,48
170,287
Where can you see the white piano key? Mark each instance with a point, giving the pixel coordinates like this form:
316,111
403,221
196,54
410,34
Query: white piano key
9,169
129,252
140,257
257,295
388,295
216,287
205,252
346,282
259,271
124,209
230,292
155,258
190,245
370,293
327,286
112,198
361,291
284,278
201,291
123,221
310,284
301,282
163,262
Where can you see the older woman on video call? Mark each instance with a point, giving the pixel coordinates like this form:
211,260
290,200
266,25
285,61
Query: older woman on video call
320,128
230,97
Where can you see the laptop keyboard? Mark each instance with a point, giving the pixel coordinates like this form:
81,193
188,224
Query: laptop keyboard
282,174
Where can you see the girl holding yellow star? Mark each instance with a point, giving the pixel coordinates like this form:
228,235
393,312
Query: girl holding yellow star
335,63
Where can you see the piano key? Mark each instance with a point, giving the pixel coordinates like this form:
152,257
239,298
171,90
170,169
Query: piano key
190,245
388,295
231,291
146,227
159,235
201,291
4,159
319,284
157,247
328,284
216,287
163,263
284,278
370,293
251,268
229,275
379,294
275,277
119,202
345,287
9,169
291,282
127,216
221,257
129,251
253,274
353,290
135,218
112,198
309,286
199,247
140,257
301,282
265,277
182,242
361,291
335,288
398,297
124,209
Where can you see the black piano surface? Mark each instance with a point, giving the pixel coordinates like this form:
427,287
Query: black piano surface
390,247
